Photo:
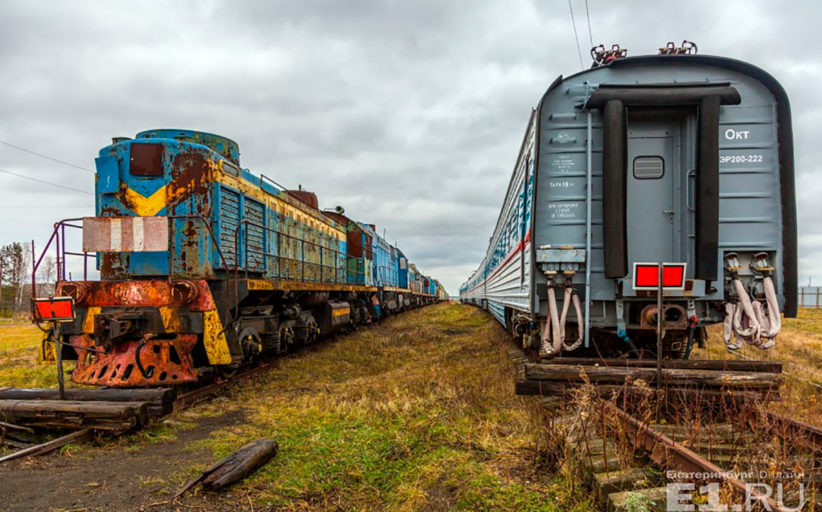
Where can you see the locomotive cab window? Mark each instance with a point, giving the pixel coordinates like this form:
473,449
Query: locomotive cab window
146,160
649,167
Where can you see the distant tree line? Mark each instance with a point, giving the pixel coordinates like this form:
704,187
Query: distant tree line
15,278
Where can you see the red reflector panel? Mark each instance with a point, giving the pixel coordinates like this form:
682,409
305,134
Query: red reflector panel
673,276
646,275
59,309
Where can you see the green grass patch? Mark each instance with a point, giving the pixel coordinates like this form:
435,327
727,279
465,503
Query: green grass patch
418,413
19,345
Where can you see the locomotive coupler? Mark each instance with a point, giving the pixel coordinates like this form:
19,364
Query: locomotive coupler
110,328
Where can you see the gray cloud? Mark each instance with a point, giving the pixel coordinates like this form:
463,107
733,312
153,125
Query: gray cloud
409,114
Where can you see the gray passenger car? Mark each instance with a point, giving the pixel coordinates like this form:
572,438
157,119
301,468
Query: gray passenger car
685,160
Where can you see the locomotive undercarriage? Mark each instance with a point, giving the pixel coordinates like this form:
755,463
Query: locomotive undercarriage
637,338
157,333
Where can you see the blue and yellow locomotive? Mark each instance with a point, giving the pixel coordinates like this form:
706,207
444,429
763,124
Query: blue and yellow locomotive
204,264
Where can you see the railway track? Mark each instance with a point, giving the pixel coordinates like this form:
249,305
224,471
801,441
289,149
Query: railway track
148,404
179,402
637,456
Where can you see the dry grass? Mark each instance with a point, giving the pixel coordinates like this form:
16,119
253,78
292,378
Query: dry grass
799,347
19,343
418,413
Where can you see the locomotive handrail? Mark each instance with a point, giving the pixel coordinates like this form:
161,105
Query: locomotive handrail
56,234
385,273
207,223
264,177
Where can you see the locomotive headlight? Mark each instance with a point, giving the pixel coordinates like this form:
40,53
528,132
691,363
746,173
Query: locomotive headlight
184,291
76,290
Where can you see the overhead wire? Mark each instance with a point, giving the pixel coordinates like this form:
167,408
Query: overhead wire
66,187
588,16
576,37
41,155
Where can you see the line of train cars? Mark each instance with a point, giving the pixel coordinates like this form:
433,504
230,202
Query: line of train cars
679,160
204,264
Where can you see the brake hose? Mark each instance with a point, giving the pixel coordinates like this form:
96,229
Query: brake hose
143,372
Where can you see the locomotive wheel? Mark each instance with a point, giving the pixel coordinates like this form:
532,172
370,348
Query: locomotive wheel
251,343
226,371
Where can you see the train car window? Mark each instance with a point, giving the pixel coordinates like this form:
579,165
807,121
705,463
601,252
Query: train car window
230,168
649,167
146,159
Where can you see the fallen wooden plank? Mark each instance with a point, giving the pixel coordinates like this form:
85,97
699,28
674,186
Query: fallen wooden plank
720,378
12,426
75,414
13,443
163,396
670,376
235,467
682,364
685,394
49,446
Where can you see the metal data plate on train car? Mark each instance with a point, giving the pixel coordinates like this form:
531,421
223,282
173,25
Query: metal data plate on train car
125,234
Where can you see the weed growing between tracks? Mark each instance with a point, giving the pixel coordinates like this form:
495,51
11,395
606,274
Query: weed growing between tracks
418,413
799,347
736,435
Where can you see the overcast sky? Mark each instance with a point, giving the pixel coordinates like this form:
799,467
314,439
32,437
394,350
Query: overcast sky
407,113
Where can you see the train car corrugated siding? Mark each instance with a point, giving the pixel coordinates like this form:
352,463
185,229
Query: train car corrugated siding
507,275
254,245
229,208
273,260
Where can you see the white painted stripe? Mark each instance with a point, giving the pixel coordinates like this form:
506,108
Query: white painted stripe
138,234
116,234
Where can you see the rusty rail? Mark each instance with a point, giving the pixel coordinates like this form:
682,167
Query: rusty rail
49,446
669,454
666,453
808,436
190,397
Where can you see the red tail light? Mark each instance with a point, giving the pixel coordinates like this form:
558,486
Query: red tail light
646,276
57,309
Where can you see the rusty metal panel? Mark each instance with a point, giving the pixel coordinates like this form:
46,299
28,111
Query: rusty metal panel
125,234
254,213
